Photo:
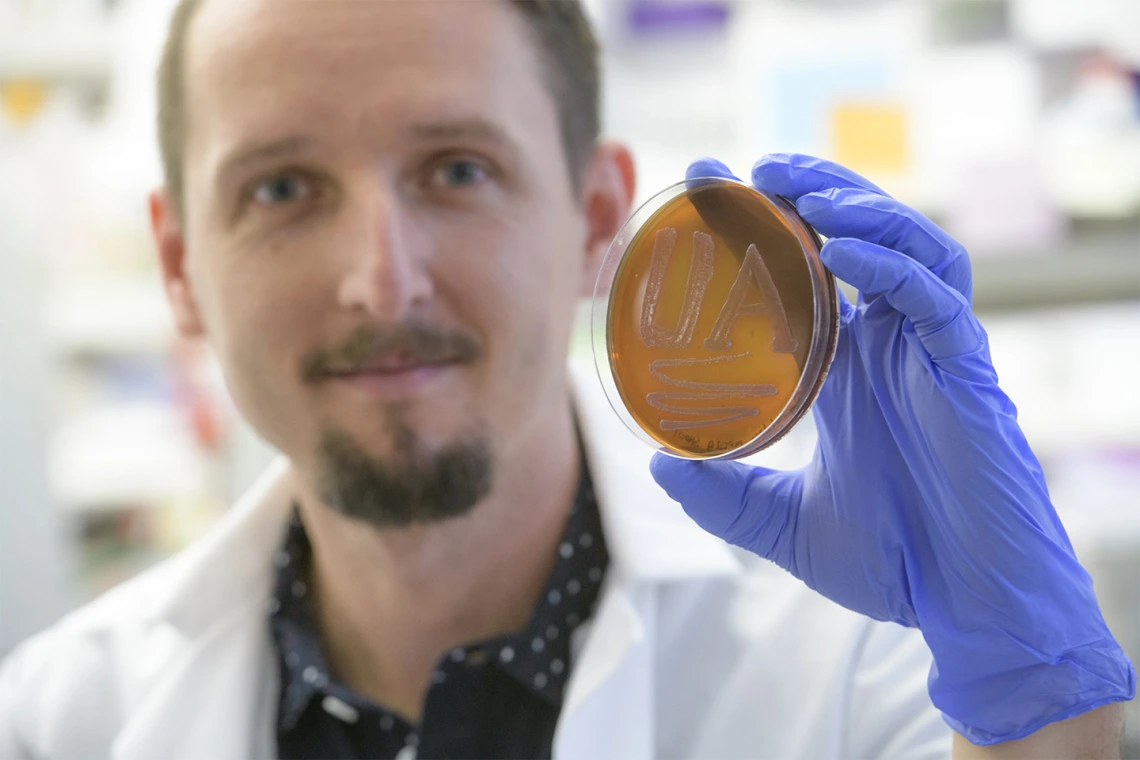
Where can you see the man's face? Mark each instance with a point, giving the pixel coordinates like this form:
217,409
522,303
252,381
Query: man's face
382,242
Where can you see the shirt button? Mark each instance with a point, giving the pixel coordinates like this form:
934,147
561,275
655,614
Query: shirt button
315,677
340,709
506,654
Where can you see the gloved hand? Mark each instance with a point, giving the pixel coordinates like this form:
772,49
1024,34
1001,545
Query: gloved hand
923,503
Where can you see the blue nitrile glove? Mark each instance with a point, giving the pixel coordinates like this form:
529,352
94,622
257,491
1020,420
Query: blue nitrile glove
923,503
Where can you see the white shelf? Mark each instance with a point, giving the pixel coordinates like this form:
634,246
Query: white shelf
125,314
1091,268
140,455
58,52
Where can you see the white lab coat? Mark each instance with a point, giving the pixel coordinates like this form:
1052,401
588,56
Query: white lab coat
696,650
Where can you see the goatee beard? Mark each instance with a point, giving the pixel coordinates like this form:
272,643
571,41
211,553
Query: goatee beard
408,487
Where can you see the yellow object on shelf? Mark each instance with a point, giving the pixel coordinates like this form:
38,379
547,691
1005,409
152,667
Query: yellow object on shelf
870,137
22,99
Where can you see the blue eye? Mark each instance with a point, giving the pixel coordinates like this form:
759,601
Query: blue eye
279,190
460,173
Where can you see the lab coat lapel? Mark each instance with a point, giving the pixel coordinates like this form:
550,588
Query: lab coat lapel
610,700
216,695
212,702
608,707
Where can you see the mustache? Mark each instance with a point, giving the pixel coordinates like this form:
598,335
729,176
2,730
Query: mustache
416,342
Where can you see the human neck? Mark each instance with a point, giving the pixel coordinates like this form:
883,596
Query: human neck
389,603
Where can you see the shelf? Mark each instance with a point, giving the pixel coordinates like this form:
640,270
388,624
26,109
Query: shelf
77,54
1094,267
104,315
140,455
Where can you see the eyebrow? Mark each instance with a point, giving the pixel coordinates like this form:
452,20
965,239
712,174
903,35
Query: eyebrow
478,129
257,152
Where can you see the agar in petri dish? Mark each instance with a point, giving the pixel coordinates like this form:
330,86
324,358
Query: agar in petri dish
714,320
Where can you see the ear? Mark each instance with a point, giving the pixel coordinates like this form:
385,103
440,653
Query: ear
167,229
607,195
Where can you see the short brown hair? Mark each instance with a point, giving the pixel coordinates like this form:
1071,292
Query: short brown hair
565,38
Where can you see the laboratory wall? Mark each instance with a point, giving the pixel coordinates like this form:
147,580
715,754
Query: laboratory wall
1015,124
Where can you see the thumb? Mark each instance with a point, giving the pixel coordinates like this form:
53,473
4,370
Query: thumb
752,507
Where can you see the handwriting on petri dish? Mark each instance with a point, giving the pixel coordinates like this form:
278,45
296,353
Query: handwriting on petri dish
701,266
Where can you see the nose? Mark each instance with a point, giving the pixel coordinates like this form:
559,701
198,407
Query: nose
387,274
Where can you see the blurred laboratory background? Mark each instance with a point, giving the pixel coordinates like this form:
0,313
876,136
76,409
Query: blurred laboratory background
1013,123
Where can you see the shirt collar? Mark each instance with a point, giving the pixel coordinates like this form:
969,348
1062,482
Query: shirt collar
537,656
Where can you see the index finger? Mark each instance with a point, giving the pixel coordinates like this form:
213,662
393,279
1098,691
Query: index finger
793,175
837,202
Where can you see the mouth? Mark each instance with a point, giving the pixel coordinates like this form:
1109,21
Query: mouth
394,376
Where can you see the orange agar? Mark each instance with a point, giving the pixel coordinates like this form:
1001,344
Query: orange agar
720,321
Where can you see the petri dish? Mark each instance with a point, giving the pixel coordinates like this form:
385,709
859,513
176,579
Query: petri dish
714,320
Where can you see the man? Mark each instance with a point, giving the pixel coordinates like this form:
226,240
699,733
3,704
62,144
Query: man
381,215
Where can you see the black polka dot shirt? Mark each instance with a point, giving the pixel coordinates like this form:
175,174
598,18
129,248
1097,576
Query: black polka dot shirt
494,699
